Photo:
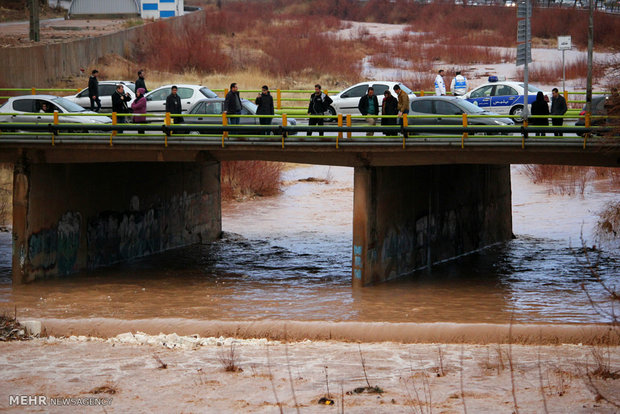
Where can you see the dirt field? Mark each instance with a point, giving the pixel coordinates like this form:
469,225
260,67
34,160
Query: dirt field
223,375
58,30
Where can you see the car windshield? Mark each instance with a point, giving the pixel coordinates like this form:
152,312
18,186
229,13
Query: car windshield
68,105
531,88
406,89
208,93
250,106
470,108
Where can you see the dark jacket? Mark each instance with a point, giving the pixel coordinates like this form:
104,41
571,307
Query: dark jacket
119,102
389,106
363,105
232,103
558,105
540,107
140,84
93,87
265,104
319,104
173,104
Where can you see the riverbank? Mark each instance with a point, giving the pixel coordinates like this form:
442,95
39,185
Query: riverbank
225,375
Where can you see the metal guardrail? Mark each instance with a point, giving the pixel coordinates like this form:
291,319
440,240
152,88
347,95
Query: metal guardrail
225,134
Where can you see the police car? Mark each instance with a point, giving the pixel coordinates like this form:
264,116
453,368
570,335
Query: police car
502,97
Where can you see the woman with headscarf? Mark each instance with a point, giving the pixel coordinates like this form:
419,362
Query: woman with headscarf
138,106
540,107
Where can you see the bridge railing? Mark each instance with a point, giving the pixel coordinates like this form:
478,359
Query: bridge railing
343,130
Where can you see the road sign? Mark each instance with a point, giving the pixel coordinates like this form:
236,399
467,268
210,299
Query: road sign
521,14
522,34
564,43
521,53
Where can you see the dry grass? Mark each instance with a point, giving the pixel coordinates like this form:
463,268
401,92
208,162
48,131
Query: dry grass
550,73
567,179
246,179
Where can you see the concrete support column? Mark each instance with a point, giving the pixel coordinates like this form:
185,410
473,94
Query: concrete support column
71,217
407,218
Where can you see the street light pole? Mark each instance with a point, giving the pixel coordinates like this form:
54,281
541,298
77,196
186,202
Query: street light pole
34,20
590,57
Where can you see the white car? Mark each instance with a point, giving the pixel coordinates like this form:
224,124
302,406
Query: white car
503,97
189,94
15,110
346,101
106,89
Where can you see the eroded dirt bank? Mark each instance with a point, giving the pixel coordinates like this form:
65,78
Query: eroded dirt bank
431,377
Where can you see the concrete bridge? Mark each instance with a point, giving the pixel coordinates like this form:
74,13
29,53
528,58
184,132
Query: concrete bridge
81,202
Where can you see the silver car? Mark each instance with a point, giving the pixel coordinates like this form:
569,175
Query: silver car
215,106
41,108
106,89
189,94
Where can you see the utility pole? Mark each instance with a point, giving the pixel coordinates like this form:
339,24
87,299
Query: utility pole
34,20
590,58
524,47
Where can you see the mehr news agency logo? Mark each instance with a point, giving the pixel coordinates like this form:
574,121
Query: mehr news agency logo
43,400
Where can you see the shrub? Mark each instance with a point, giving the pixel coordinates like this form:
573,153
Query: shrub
246,179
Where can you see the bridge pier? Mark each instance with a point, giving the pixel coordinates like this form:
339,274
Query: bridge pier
72,217
405,218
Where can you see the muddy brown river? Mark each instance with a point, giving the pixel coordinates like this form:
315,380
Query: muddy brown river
289,258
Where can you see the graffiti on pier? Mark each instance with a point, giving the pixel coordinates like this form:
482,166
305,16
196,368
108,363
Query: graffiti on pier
56,249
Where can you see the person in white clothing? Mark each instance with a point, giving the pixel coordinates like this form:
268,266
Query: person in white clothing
458,85
440,86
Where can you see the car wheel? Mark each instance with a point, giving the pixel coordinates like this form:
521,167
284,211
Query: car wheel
518,112
330,111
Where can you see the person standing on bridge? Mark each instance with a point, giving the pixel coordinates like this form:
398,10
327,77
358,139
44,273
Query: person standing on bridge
440,86
369,105
138,107
264,102
140,81
389,106
558,107
319,104
232,104
173,105
93,91
540,107
119,103
403,105
458,86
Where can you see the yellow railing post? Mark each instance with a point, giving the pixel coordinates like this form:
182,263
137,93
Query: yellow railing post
56,121
167,122
284,123
278,99
405,125
566,96
421,93
588,124
225,92
114,122
465,134
224,123
349,124
340,125
523,136
33,91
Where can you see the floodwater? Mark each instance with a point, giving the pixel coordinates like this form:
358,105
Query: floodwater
289,258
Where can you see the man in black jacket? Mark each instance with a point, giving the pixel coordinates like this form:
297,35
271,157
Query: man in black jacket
369,105
173,105
264,101
140,81
93,91
119,103
558,107
232,104
319,104
389,106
